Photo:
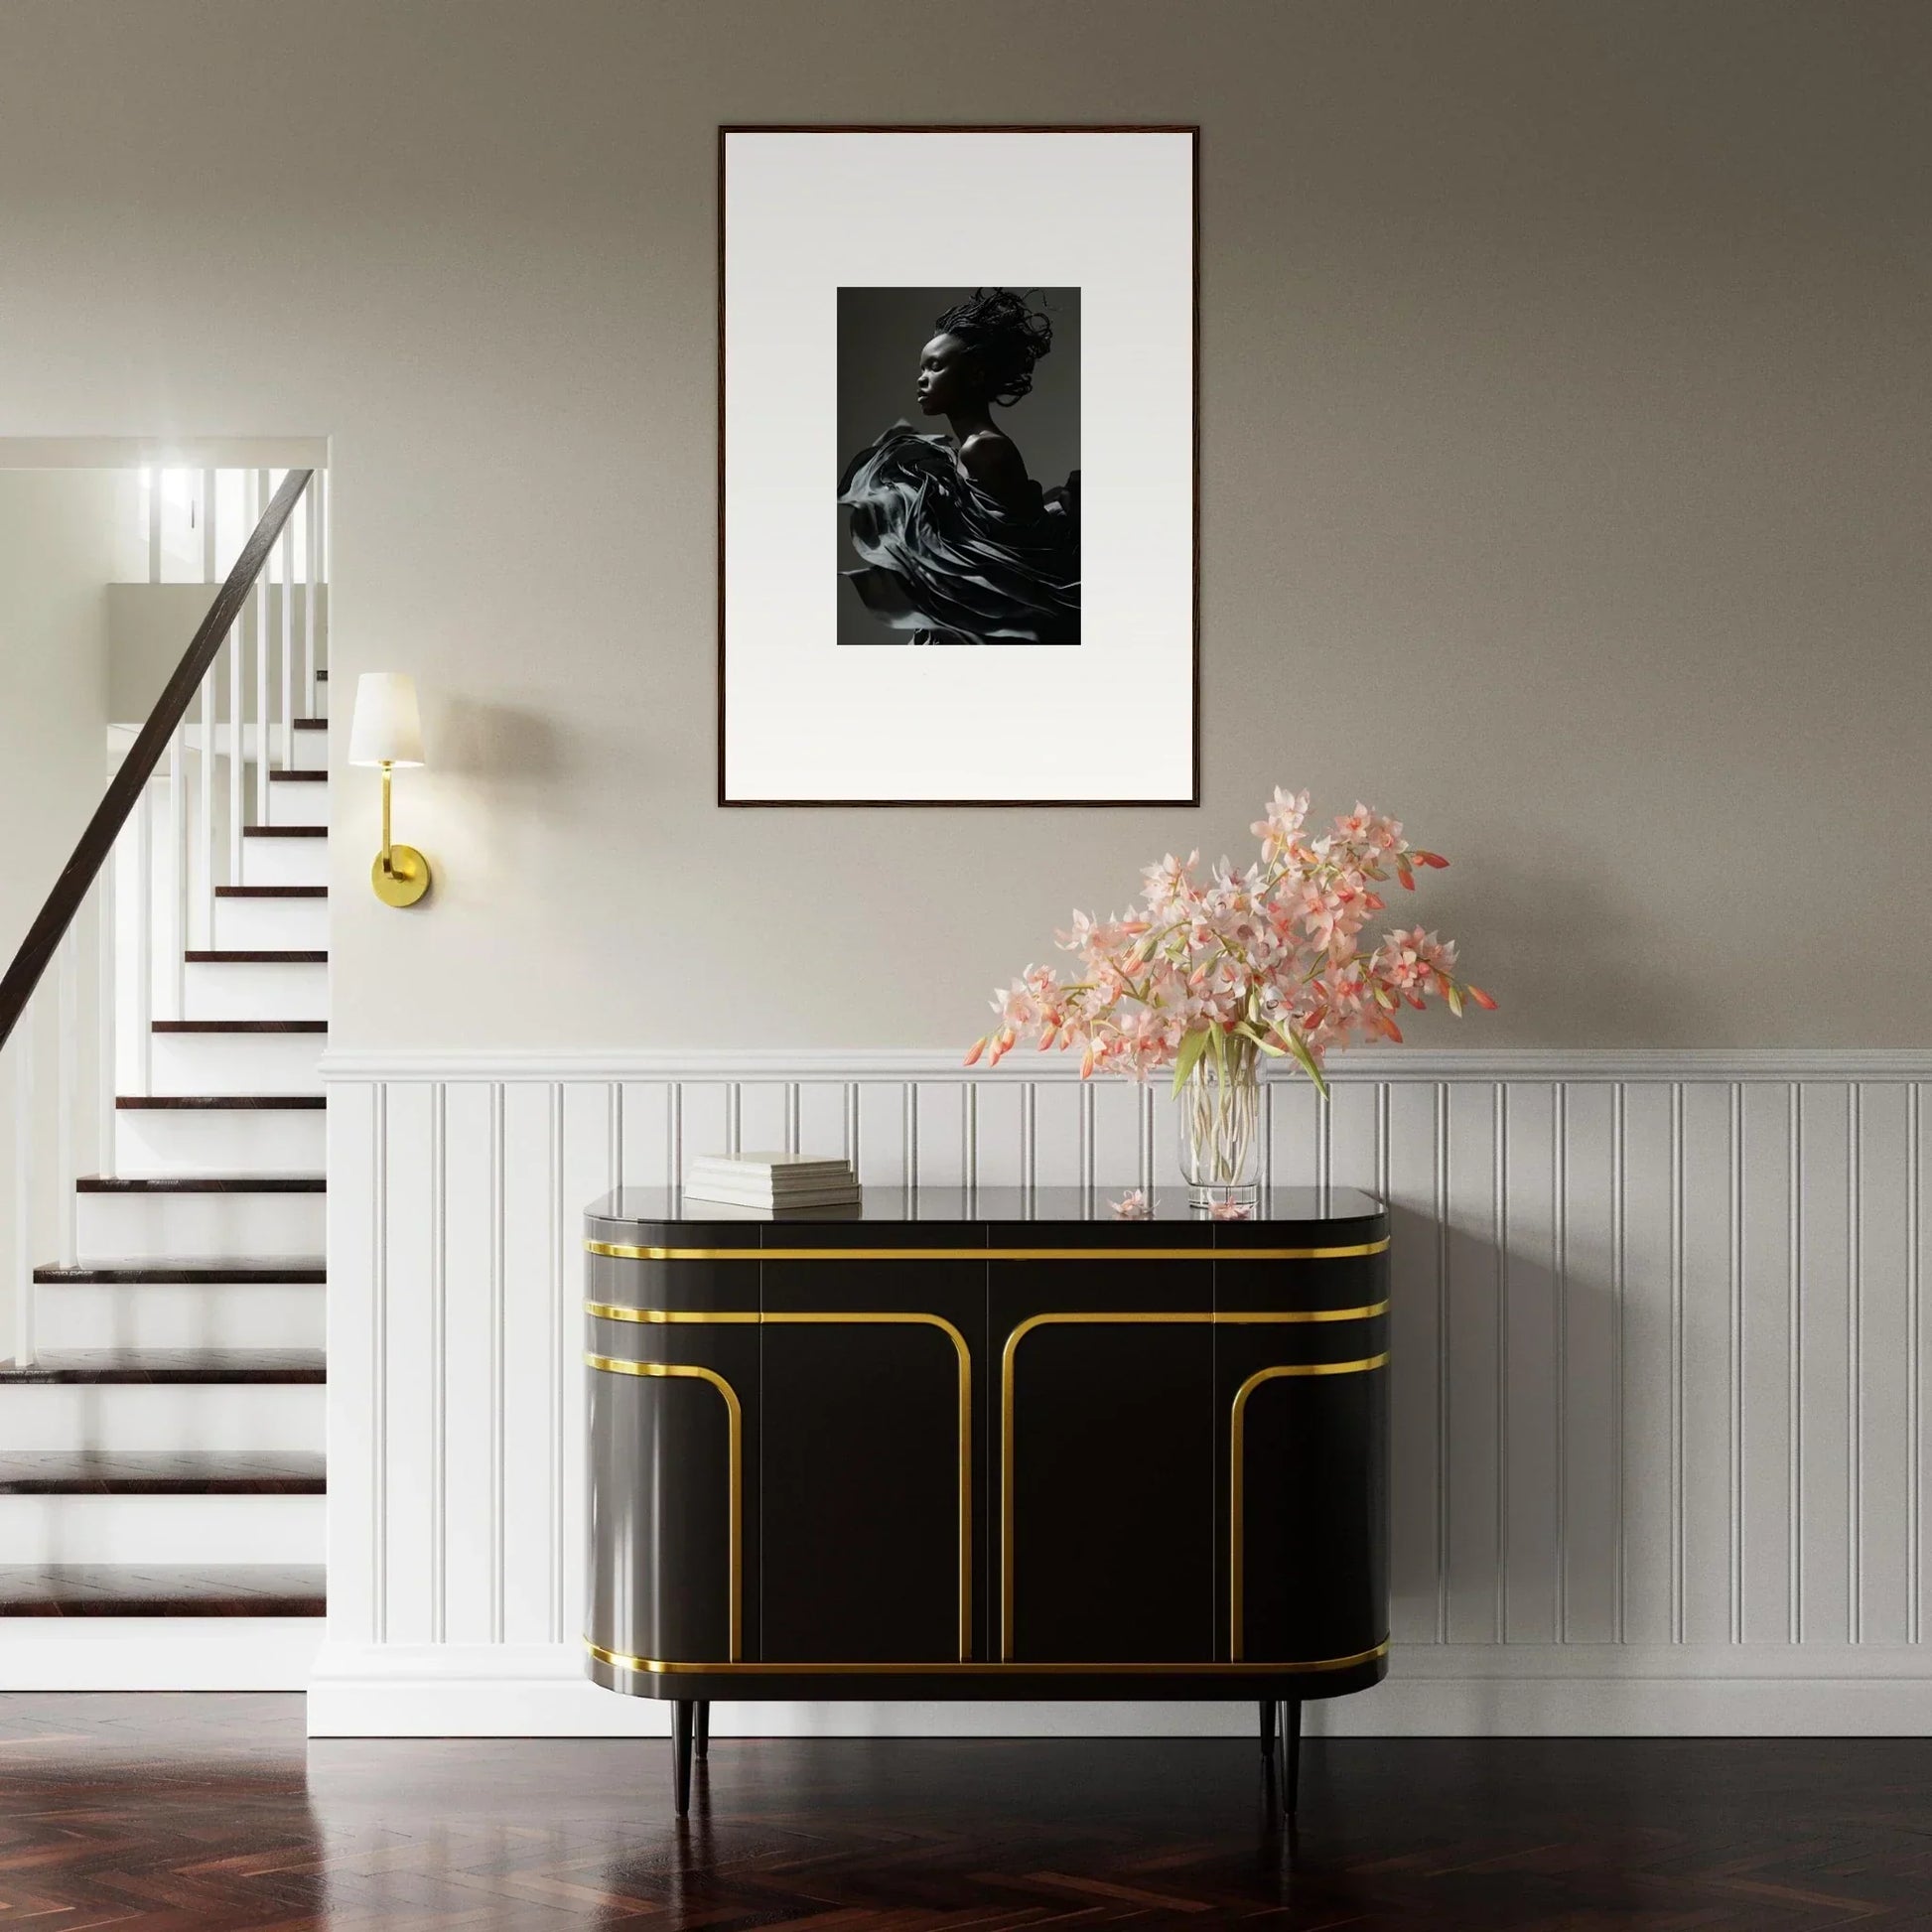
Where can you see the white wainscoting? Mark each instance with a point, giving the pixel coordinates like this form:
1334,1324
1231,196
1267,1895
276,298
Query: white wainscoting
1660,1361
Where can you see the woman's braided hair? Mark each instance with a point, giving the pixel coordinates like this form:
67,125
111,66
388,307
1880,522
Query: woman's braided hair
1006,335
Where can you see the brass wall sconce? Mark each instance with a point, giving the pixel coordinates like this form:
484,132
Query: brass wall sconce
388,732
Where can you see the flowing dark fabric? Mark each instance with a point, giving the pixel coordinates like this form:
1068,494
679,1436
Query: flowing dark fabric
948,564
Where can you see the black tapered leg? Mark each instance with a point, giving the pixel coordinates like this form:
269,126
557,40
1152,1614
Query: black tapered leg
1290,1755
681,1754
704,1730
1268,1727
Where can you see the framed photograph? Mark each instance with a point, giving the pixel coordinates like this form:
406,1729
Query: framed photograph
958,504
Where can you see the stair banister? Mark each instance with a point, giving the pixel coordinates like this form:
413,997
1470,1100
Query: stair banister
44,936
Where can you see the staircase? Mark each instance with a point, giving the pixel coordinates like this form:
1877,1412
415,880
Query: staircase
161,1425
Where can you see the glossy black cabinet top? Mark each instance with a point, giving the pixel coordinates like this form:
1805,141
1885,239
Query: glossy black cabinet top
1332,1214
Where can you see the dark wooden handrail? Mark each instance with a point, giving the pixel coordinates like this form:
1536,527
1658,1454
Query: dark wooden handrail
138,766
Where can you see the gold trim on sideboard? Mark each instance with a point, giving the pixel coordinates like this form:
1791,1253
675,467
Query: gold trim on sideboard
619,1312
657,1667
610,1312
1238,1477
734,1426
619,1251
1213,1317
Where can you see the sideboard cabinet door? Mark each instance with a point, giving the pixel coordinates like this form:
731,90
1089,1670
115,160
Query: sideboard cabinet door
873,1460
1301,1386
1105,1507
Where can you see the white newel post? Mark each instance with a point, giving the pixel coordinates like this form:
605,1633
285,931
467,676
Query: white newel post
262,494
22,1271
178,871
67,1089
106,907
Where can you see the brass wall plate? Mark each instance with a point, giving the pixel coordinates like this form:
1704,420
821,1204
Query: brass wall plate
404,880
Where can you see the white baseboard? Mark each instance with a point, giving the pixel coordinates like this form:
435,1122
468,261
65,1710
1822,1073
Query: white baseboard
1448,1690
158,1653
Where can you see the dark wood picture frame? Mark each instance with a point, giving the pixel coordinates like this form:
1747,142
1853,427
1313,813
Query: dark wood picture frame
971,127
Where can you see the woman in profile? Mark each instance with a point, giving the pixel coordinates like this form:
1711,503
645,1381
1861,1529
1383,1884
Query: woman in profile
960,545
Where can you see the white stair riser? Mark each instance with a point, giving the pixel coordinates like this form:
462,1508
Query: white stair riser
271,925
160,1653
285,862
163,1415
219,1140
256,990
180,1314
237,1063
311,751
161,1528
297,804
157,1227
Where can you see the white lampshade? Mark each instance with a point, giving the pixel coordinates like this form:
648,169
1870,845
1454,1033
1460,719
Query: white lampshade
387,729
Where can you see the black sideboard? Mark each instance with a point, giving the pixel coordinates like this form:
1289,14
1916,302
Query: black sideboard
997,1445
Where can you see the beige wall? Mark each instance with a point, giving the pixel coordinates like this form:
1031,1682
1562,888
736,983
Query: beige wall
57,531
1566,471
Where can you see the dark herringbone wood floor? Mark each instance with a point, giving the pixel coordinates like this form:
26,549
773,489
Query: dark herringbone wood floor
205,1812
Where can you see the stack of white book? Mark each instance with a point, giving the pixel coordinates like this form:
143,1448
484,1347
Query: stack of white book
773,1180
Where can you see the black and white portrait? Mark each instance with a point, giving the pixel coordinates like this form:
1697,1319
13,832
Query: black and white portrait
959,491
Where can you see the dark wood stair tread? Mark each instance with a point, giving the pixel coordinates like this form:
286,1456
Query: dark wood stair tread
201,1183
311,724
162,1472
285,831
162,1590
229,956
278,1103
271,892
153,1366
191,1270
298,778
239,1026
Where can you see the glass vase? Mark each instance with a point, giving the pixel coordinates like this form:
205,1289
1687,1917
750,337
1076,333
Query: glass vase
1221,1131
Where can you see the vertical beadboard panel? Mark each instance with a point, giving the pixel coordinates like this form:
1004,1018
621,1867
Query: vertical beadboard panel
1648,1457
1165,1168
532,1208
1473,1355
1918,1171
1054,1135
1354,1137
412,1368
1588,1401
1704,1393
1119,1158
646,1120
998,1140
472,1351
939,1121
884,1145
824,1126
587,1158
1826,1357
1768,1445
1883,1368
1531,1369
1416,1471
1296,1135
356,1478
704,1117
763,1117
